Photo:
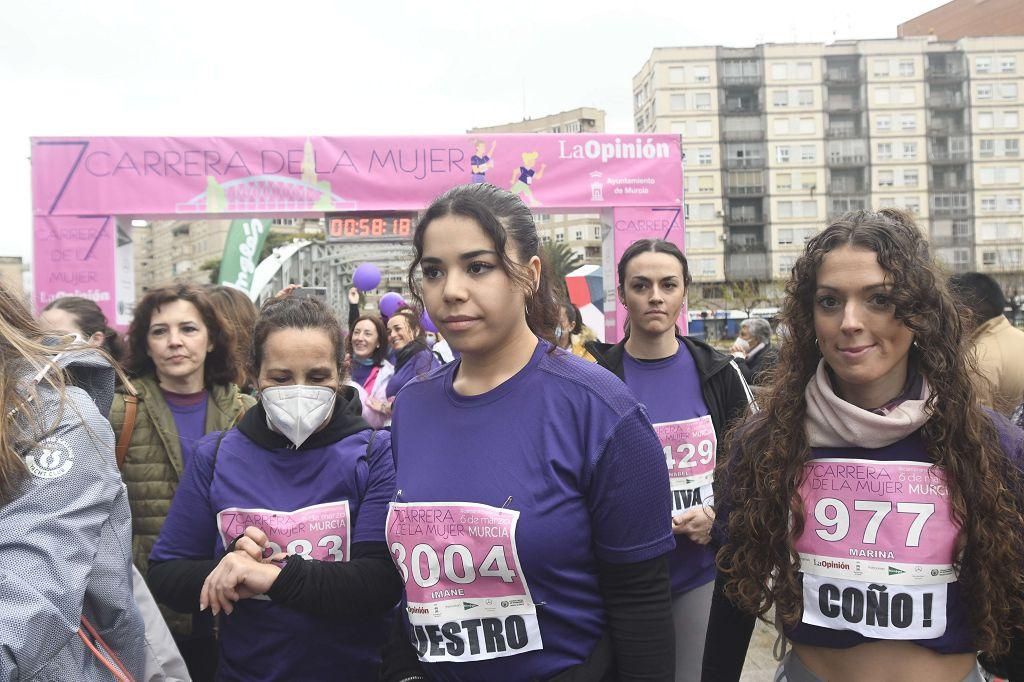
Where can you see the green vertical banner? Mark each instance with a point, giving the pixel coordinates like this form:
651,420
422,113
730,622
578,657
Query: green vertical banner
242,248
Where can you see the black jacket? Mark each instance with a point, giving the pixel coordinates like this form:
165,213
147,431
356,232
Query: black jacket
722,385
757,369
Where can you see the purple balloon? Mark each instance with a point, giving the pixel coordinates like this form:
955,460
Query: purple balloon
390,302
428,324
366,277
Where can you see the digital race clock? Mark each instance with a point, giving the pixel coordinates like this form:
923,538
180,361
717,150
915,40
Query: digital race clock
359,226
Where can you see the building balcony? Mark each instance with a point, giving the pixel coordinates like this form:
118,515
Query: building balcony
841,133
847,161
744,190
742,135
947,241
846,190
947,100
842,75
746,247
739,266
750,80
946,72
843,104
945,128
950,204
999,267
737,218
740,164
949,156
740,110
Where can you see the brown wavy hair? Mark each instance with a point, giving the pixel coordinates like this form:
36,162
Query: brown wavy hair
759,478
220,366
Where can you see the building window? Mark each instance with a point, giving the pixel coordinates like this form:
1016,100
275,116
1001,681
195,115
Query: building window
910,177
784,181
559,237
1008,64
597,232
1013,204
703,129
804,71
805,98
786,264
786,211
908,122
1011,147
986,119
983,64
675,75
808,180
883,95
907,96
912,205
780,98
988,203
906,68
807,152
806,126
780,126
780,72
883,123
677,102
909,150
1011,119
988,257
701,74
1000,176
702,101
704,156
987,148
880,67
785,234
578,235
885,178
706,183
984,91
884,151
1008,90
678,127
782,154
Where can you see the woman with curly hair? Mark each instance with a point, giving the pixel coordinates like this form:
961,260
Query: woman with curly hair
870,498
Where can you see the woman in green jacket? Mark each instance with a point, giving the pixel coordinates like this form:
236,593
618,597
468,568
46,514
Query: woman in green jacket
181,363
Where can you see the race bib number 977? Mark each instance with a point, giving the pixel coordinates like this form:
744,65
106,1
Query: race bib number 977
877,547
466,595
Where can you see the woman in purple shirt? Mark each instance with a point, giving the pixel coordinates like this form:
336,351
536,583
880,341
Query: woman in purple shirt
531,525
871,501
692,393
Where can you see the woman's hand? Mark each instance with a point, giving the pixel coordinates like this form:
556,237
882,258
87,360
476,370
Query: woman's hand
695,524
241,574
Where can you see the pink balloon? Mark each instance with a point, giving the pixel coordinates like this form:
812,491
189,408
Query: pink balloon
390,302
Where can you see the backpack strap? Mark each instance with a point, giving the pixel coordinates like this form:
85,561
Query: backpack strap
131,409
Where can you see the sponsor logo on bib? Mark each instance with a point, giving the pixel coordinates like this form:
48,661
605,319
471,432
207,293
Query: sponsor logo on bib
456,557
877,547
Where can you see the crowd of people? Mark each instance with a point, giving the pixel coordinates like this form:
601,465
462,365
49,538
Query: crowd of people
233,493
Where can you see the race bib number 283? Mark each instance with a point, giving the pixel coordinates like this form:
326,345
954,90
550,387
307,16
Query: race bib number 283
467,597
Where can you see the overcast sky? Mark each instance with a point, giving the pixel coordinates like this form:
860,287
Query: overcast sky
311,67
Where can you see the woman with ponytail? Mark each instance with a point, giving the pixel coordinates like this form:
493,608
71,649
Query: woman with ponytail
81,316
871,501
528,527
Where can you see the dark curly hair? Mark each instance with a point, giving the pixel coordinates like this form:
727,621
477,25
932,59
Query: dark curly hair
760,476
220,366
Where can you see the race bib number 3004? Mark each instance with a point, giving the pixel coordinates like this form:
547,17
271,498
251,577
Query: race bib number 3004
877,547
467,597
690,448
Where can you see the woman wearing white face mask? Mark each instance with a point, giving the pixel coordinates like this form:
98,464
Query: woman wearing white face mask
280,522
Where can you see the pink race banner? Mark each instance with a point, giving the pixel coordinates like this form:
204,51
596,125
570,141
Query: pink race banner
631,224
172,176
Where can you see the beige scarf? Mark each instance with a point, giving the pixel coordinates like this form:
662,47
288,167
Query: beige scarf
834,423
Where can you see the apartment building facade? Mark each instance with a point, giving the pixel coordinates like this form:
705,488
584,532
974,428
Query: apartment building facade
581,232
778,138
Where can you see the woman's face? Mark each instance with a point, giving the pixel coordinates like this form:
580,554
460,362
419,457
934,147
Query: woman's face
856,326
60,322
364,339
178,341
400,334
653,293
472,300
299,356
